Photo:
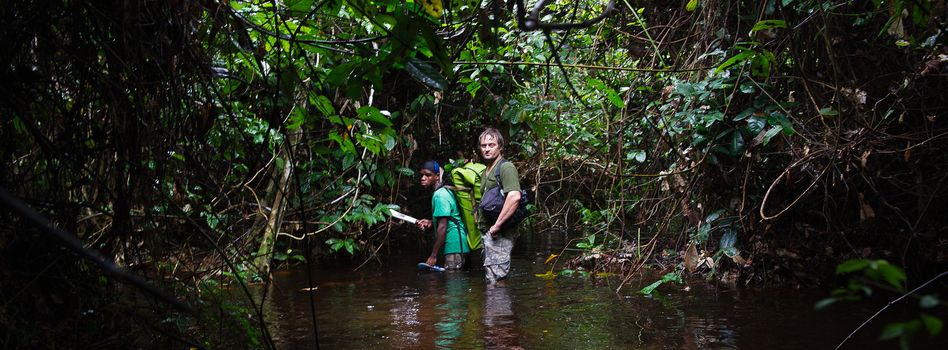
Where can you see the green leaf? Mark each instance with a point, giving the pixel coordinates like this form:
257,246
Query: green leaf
389,141
18,125
851,266
737,143
323,104
892,274
668,277
741,57
769,24
828,111
342,73
473,87
691,6
892,331
425,74
771,133
701,235
762,63
822,304
714,216
372,114
615,99
730,252
932,324
548,275
300,5
728,240
297,119
928,301
638,155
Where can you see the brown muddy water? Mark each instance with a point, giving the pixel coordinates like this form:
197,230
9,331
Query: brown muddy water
394,306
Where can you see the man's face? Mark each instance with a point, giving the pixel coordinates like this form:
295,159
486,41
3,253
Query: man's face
489,148
428,178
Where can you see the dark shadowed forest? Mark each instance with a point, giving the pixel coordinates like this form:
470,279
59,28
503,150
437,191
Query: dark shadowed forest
160,158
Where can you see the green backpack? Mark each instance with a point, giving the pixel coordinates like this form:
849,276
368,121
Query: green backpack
467,190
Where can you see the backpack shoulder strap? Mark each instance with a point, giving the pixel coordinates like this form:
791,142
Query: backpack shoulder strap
497,175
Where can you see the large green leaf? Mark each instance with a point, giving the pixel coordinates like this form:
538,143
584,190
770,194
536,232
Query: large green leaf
372,114
768,24
425,74
932,324
851,266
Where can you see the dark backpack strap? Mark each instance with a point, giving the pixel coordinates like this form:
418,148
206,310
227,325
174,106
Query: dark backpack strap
497,175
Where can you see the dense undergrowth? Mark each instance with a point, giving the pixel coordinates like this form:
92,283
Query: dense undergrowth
198,143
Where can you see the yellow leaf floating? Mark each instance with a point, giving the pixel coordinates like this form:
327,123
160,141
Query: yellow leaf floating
434,8
552,256
548,275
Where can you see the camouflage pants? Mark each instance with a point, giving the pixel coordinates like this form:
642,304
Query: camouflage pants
497,256
453,261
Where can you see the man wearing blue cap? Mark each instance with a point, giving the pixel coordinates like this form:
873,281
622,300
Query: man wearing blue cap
450,233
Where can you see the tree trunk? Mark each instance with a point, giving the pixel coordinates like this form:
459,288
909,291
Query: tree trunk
277,207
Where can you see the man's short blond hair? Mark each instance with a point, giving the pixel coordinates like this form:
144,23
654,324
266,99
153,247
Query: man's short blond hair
493,133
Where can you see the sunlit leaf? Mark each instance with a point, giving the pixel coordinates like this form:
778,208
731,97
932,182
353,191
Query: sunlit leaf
548,275
549,259
691,6
372,114
768,24
741,57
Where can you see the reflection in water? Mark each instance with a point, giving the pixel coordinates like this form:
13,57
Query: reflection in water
500,323
454,310
397,307
404,314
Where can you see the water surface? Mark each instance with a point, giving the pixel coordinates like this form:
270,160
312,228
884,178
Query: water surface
394,306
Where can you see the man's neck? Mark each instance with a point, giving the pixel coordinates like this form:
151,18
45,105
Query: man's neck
494,163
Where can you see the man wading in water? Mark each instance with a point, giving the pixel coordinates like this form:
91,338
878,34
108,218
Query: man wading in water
498,240
450,234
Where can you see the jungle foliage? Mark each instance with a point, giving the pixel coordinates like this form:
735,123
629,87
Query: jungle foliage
196,143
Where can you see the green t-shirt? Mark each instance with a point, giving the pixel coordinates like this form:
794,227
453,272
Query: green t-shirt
511,180
443,204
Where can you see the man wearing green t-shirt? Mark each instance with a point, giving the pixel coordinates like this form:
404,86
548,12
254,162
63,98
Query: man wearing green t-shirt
498,241
450,233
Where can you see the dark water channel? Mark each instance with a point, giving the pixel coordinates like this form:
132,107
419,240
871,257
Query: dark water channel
396,307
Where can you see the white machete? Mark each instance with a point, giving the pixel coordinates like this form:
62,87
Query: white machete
403,217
